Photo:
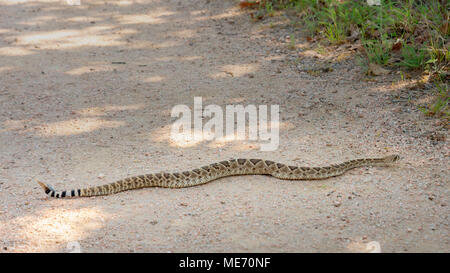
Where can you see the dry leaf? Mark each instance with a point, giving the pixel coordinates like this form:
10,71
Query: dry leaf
444,28
397,45
249,5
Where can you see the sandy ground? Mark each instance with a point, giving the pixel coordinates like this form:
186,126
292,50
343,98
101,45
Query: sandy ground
72,116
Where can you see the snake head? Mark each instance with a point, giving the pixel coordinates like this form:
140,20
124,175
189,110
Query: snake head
391,158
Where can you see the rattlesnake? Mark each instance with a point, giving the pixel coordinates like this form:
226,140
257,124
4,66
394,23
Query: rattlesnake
217,170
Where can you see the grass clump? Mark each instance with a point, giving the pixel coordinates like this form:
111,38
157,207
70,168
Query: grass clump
413,58
440,106
419,28
377,52
402,34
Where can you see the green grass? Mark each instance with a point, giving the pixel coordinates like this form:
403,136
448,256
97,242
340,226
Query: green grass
377,52
399,34
334,30
413,58
292,42
421,26
440,106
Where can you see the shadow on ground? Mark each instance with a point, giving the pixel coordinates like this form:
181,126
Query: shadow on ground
86,94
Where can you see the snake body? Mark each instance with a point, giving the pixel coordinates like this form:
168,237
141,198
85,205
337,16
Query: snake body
217,170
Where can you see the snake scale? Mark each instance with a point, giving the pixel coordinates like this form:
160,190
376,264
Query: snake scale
217,170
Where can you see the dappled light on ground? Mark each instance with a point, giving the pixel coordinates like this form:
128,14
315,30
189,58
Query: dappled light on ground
102,111
72,38
88,121
235,70
178,58
5,68
228,14
39,20
51,229
188,139
395,86
407,90
82,19
155,79
14,125
153,17
94,68
75,126
14,51
186,33
87,94
16,2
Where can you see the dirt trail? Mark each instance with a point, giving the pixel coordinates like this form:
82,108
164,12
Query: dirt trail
85,98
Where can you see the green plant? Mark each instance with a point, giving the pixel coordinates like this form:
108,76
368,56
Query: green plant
269,7
440,106
320,49
334,30
292,42
422,26
439,58
413,58
377,52
311,25
362,62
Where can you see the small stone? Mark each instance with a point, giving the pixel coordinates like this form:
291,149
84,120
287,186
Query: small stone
101,176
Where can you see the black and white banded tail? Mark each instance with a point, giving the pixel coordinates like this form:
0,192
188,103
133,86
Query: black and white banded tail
59,194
